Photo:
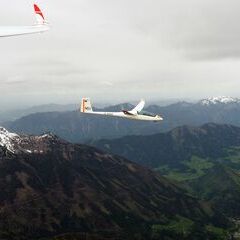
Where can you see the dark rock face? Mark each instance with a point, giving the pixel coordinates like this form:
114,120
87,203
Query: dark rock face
56,188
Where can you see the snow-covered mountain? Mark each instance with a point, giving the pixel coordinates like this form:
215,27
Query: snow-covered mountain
15,143
219,100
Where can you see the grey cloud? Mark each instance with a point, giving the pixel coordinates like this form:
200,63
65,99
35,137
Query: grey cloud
148,48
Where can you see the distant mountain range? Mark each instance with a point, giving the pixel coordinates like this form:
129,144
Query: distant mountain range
52,189
77,127
12,115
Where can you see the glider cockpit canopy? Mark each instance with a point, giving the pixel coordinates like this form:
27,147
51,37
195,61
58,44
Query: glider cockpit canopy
145,113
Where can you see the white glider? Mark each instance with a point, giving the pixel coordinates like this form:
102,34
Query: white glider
39,27
135,114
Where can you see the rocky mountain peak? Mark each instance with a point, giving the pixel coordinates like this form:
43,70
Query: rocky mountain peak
15,143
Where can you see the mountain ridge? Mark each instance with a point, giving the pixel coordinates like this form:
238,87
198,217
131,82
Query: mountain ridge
173,147
71,188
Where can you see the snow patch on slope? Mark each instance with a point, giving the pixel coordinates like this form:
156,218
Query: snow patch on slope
8,139
24,143
219,100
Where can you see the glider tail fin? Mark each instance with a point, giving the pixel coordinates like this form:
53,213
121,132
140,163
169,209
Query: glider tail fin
39,15
86,105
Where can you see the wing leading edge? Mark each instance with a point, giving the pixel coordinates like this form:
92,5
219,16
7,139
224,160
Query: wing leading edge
139,107
41,26
135,110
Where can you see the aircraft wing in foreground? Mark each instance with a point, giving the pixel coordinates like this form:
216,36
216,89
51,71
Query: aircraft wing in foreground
40,26
135,114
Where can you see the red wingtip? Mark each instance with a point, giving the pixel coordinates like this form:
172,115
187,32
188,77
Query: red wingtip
38,10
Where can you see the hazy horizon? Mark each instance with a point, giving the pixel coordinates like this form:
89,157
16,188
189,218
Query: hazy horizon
161,102
120,51
102,104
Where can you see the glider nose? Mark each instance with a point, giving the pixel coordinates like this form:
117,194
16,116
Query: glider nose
159,118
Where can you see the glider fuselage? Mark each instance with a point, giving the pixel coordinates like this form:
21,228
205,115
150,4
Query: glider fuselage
135,114
125,114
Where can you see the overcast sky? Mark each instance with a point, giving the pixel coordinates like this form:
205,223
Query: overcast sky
121,50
